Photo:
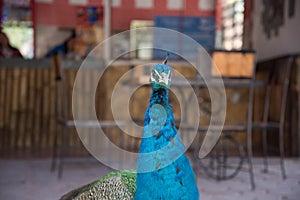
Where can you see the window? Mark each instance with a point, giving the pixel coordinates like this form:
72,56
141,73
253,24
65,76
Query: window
44,1
17,25
144,3
175,4
141,39
232,24
116,3
78,2
208,5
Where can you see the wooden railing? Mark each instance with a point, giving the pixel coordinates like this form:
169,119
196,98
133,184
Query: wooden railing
27,105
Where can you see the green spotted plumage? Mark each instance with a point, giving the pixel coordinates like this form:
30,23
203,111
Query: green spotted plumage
115,185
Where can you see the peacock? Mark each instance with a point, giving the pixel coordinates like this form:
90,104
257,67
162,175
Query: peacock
163,171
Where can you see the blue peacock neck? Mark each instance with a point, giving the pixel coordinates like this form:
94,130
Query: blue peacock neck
164,172
159,96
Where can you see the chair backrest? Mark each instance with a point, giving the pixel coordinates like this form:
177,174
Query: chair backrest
66,72
236,66
61,95
277,84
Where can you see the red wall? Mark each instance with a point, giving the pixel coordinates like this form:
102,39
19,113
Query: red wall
121,17
61,13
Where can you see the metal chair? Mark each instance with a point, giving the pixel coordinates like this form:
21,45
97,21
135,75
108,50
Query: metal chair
218,164
279,71
64,117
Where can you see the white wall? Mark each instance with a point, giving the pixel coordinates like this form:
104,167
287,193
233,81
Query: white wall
288,39
49,36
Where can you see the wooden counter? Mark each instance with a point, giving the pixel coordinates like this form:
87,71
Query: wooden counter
27,114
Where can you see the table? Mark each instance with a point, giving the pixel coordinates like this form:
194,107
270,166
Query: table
217,82
218,166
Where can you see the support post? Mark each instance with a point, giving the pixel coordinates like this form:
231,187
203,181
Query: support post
107,27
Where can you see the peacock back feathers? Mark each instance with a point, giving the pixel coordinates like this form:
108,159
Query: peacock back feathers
115,185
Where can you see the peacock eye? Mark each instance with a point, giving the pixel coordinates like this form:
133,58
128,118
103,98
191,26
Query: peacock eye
154,75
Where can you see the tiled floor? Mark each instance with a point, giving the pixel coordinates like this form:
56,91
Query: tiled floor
32,180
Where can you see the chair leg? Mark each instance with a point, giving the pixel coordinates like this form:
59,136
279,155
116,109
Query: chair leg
281,148
218,160
62,153
54,153
249,152
265,150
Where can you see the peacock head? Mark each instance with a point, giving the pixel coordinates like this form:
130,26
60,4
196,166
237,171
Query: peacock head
160,76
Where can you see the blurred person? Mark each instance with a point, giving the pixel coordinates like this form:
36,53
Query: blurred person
6,50
65,49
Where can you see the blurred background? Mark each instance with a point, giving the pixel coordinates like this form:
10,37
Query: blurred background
269,27
43,42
